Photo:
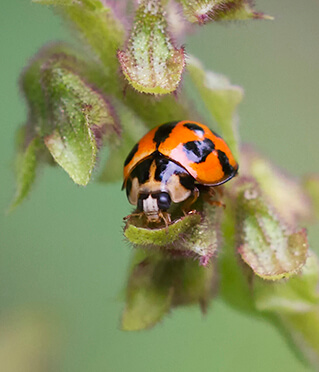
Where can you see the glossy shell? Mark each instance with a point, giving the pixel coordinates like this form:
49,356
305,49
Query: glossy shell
192,145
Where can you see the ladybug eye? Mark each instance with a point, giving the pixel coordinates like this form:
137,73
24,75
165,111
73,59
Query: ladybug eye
163,201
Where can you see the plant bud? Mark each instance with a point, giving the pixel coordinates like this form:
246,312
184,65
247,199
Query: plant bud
265,243
80,118
150,61
202,11
157,284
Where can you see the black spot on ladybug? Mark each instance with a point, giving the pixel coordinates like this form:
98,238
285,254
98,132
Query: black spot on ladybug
163,132
197,151
187,181
131,154
142,171
165,168
161,167
224,162
195,128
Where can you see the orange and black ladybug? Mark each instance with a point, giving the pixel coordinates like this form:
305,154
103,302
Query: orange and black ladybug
171,163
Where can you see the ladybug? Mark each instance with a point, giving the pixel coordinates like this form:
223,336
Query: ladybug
171,164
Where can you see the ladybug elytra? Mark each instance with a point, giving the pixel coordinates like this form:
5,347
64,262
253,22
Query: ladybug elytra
172,163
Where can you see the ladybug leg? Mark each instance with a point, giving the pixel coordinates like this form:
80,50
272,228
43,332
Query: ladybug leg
137,214
212,192
166,217
191,200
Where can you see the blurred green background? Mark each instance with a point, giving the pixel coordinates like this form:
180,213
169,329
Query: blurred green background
63,258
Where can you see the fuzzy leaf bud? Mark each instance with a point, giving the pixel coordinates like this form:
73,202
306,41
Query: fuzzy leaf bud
202,11
194,235
150,62
265,243
80,118
157,284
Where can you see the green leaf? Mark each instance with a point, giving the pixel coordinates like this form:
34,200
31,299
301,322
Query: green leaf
98,27
149,295
66,111
221,99
150,62
194,235
31,86
202,11
157,284
194,284
265,243
76,155
204,239
32,91
162,236
30,83
26,164
81,116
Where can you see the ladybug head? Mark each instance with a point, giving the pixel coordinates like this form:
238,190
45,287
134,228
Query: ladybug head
152,204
